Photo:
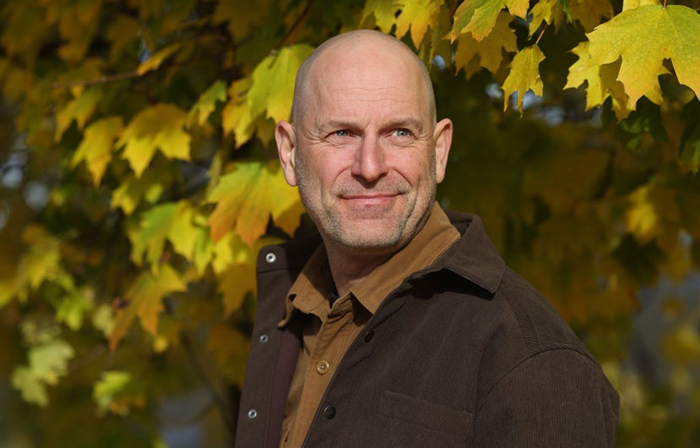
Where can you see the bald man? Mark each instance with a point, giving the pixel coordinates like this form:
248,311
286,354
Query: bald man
399,324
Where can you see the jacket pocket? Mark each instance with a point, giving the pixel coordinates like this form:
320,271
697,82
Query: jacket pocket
411,422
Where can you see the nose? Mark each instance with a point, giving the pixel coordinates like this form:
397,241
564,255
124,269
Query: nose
370,162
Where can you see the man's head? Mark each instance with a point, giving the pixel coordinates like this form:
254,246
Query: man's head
363,146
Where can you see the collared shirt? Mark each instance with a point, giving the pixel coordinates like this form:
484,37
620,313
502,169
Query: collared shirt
328,331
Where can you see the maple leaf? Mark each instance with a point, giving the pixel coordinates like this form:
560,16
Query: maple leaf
241,15
479,16
122,32
546,11
145,298
524,75
207,103
157,59
671,32
247,197
589,12
79,109
418,16
97,144
490,49
384,13
135,190
156,127
237,117
118,391
272,86
33,390
650,207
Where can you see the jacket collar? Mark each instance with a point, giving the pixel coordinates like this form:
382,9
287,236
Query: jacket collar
472,257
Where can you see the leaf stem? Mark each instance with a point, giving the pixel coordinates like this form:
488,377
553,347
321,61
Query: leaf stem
541,33
293,32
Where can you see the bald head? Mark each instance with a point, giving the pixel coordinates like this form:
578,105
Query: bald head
359,49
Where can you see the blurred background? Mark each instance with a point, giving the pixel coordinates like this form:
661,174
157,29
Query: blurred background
138,180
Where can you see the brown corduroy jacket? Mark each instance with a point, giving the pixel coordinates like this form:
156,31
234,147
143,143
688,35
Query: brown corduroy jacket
465,353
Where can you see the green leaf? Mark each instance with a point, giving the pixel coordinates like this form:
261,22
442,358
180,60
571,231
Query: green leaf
118,392
49,361
478,17
32,388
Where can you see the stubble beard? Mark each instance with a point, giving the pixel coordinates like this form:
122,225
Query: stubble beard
350,236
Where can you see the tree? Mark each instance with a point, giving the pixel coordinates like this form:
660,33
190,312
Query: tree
139,181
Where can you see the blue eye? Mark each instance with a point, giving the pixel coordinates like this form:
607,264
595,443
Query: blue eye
402,132
342,133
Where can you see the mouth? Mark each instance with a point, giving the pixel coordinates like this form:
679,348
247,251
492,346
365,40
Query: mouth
370,199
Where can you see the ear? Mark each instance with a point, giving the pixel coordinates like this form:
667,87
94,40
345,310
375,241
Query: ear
443,141
286,148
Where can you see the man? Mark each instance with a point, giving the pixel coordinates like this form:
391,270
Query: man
399,326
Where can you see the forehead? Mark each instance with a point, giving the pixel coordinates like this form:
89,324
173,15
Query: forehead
359,78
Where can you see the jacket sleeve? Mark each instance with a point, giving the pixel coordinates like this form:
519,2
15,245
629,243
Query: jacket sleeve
557,398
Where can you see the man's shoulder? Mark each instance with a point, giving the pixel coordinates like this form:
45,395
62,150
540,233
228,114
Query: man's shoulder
290,255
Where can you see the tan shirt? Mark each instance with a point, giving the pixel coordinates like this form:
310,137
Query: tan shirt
328,332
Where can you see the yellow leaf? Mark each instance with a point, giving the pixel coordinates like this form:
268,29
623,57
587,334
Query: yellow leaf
72,309
79,109
230,347
273,82
123,31
479,16
157,127
32,388
524,75
384,12
490,49
601,81
631,4
241,15
236,116
157,59
546,11
682,345
148,188
183,233
589,12
247,197
207,103
643,37
417,15
97,144
49,361
651,208
145,298
42,260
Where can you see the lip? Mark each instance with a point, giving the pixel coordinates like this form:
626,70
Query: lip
370,199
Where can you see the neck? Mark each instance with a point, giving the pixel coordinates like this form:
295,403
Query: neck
348,269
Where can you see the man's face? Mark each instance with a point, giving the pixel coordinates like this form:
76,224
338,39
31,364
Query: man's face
365,152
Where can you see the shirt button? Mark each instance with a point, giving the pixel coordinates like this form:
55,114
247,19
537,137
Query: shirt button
329,412
323,367
369,335
252,414
270,257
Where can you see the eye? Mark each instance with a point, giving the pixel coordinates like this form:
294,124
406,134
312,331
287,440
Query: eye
402,132
341,133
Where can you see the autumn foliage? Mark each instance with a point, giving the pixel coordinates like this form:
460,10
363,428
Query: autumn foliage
139,180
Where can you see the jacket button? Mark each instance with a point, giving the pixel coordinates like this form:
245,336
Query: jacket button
329,412
270,257
252,414
263,338
369,335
